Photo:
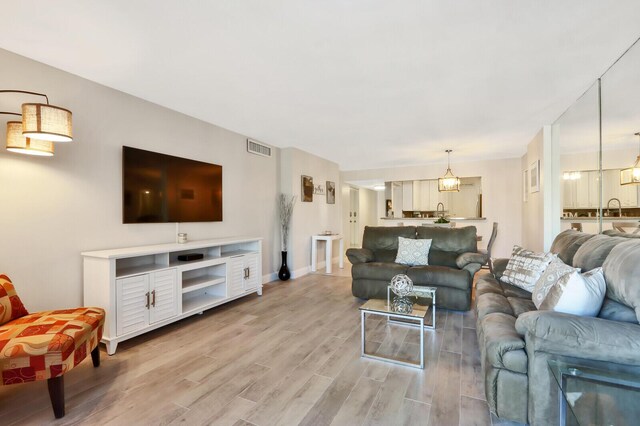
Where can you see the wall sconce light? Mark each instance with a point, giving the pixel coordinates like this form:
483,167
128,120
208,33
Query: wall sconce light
631,176
449,182
43,121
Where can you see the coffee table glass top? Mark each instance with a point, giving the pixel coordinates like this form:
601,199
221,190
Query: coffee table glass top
594,394
398,306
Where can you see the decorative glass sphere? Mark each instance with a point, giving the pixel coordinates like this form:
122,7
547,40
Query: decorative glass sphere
402,305
401,285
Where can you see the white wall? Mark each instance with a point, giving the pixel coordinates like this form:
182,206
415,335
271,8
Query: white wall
309,217
501,192
54,208
532,210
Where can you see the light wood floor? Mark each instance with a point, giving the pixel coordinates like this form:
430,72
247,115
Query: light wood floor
289,357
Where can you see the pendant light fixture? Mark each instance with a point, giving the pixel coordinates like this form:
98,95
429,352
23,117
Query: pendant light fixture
17,142
449,182
631,176
44,121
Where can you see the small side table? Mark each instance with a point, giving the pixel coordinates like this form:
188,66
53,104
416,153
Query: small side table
329,239
590,392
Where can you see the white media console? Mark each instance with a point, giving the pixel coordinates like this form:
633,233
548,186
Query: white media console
143,288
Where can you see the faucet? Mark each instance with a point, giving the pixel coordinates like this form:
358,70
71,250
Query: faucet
438,209
619,206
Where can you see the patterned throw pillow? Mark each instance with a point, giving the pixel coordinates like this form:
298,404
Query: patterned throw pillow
578,294
556,270
525,268
11,306
413,252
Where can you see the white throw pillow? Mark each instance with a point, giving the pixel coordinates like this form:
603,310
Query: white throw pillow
525,268
413,252
550,277
578,294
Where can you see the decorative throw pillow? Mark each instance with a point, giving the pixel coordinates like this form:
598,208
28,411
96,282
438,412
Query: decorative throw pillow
556,270
11,306
413,252
525,267
578,294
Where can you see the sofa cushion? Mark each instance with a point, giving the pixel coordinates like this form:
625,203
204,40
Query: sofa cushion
413,251
378,238
377,270
567,243
455,240
621,272
11,306
615,311
47,344
525,268
443,258
387,256
550,277
594,251
488,284
440,276
577,294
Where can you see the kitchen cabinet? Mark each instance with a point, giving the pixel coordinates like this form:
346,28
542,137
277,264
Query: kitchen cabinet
407,196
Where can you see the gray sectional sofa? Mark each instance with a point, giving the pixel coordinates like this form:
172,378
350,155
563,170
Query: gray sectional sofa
453,261
516,340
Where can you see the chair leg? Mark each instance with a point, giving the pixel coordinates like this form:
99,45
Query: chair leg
95,356
56,393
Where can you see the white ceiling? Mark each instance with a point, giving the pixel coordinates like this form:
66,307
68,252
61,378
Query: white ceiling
365,83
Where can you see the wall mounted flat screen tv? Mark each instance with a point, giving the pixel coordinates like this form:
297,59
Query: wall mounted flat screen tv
161,188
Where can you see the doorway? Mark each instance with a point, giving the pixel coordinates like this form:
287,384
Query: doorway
354,217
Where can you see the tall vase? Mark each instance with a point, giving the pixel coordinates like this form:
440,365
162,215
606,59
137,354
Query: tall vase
284,273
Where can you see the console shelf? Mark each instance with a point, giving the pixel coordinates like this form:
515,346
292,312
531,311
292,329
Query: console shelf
147,287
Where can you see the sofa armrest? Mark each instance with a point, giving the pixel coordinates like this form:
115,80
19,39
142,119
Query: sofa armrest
499,266
466,258
360,255
580,337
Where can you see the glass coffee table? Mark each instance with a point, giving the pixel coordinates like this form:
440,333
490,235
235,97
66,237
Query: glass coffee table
402,309
593,394
418,292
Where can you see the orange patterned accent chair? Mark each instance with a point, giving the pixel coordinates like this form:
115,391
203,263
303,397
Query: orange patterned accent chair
45,345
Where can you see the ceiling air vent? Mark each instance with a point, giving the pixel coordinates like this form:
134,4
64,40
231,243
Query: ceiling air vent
258,148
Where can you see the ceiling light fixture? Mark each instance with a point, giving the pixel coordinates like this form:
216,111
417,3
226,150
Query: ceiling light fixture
449,182
631,176
43,121
17,142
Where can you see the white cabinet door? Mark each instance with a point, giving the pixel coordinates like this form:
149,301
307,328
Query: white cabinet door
407,196
235,276
252,279
424,194
569,194
594,189
132,298
164,295
582,191
417,201
434,195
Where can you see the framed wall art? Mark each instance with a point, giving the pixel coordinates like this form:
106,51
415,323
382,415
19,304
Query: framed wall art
331,192
534,176
307,189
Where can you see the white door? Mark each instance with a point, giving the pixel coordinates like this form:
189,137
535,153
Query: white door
235,276
251,279
164,297
354,216
132,303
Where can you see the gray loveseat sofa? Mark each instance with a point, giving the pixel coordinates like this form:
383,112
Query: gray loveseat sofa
453,261
516,340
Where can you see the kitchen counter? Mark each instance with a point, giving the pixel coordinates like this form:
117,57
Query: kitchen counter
604,219
433,219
